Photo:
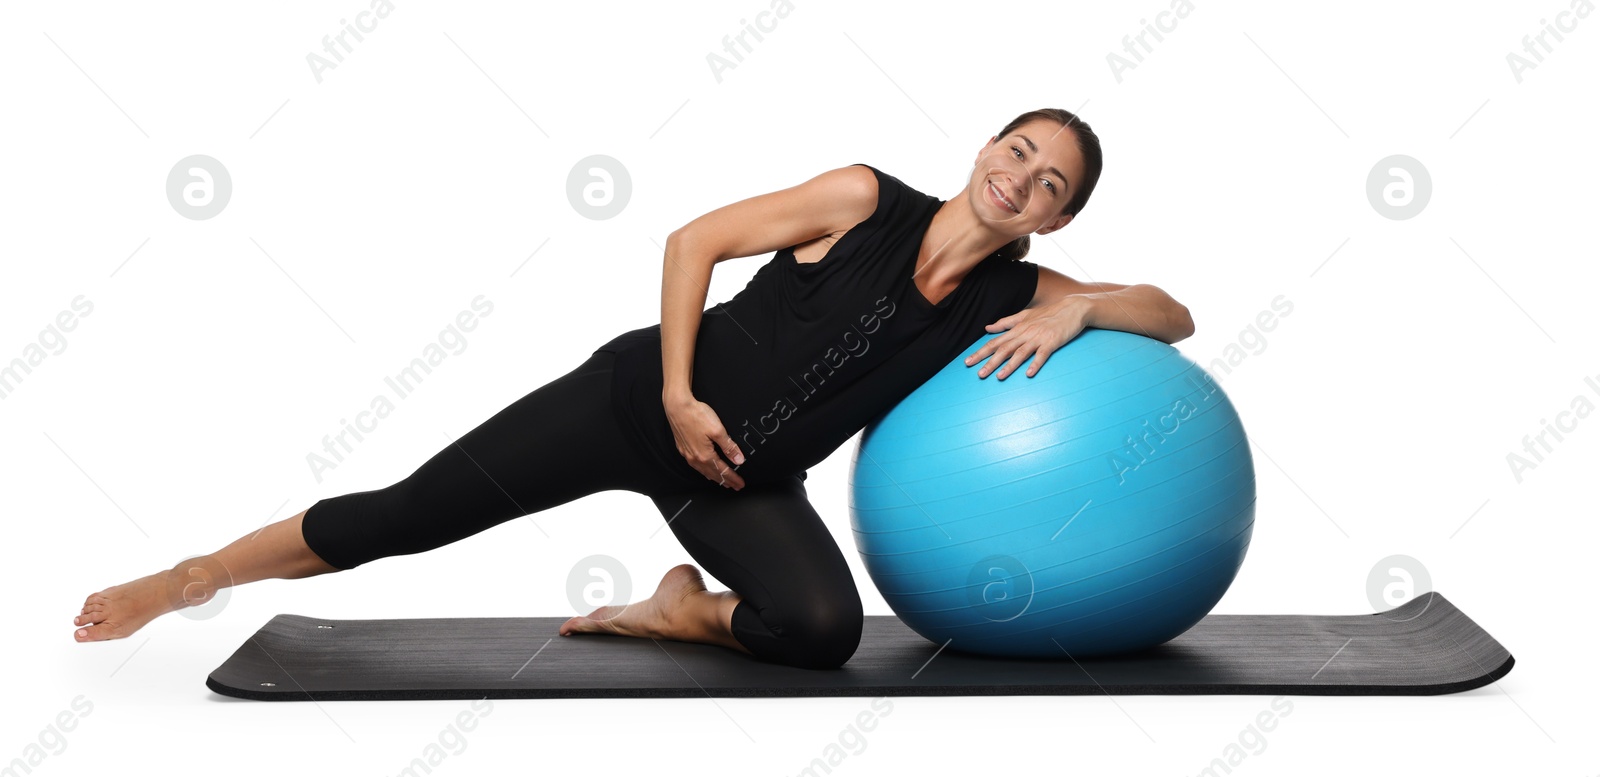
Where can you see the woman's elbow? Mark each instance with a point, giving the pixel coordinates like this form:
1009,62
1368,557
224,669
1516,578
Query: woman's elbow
1180,323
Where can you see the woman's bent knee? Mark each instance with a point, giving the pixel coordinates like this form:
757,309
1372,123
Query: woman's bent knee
829,650
826,635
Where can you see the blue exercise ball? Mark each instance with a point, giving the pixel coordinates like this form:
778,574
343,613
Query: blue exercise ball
1101,506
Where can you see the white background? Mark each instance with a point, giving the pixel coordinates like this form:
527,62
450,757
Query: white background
370,208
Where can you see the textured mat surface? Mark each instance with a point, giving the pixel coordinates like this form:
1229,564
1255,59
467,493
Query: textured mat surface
1425,646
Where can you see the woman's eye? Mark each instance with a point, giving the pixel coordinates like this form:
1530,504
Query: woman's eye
1046,182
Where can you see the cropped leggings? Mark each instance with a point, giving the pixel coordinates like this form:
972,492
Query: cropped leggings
799,604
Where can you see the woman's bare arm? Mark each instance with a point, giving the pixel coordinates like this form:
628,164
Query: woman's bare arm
1139,308
837,199
1063,307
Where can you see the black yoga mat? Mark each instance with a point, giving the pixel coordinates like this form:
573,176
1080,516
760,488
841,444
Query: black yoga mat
1425,646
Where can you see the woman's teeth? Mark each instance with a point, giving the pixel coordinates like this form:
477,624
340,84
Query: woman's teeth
1003,198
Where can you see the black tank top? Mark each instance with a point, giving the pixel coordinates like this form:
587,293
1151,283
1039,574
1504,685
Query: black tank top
807,354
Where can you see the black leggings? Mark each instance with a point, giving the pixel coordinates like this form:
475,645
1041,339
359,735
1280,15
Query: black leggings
799,605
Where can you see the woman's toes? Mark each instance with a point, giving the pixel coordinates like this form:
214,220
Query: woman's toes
628,620
97,632
121,610
593,623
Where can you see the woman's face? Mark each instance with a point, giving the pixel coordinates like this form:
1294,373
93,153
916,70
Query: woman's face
1036,170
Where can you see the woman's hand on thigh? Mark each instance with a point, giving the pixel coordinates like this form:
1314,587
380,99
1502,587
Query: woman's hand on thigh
699,433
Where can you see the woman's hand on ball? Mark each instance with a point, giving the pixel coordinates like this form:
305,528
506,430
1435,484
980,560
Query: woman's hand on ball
699,433
1031,332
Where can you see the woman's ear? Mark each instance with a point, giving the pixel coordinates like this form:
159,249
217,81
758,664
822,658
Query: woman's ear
979,155
1057,223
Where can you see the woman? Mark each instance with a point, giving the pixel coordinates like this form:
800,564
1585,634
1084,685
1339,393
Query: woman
716,414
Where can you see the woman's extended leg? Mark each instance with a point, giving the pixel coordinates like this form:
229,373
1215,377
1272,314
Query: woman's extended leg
557,443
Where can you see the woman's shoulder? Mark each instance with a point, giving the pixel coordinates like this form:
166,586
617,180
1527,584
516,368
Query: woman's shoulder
890,186
897,201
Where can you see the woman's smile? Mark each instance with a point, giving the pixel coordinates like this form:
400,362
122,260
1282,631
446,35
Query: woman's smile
1000,199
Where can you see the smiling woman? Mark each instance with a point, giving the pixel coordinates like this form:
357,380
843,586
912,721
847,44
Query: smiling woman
748,351
1056,183
649,411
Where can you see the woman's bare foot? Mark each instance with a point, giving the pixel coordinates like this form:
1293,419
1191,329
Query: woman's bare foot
681,609
275,551
121,610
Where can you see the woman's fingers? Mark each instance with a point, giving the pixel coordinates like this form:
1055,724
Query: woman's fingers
996,359
710,463
730,478
728,475
1038,362
988,348
720,438
1018,358
731,449
1004,323
715,468
699,433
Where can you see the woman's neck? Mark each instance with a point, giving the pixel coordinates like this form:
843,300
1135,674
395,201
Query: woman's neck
956,241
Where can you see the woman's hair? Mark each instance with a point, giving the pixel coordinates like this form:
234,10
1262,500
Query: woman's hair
1088,145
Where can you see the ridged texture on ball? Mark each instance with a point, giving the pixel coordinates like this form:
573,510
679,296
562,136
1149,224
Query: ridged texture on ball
1102,506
